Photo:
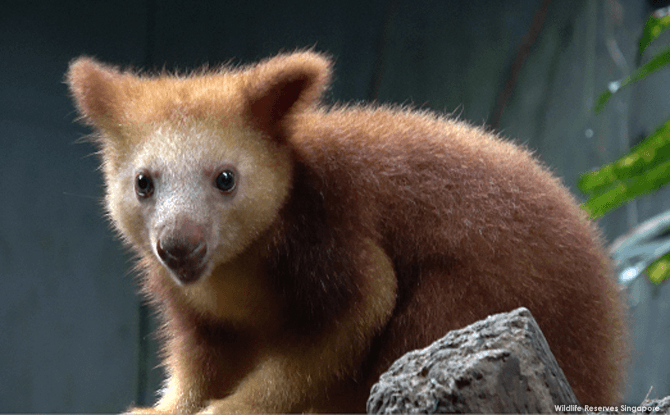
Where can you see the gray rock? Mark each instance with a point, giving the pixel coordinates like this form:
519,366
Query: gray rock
500,364
663,406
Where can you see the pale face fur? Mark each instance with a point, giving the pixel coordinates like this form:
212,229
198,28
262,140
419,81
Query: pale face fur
183,161
181,133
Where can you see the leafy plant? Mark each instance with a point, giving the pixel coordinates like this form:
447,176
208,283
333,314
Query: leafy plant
646,168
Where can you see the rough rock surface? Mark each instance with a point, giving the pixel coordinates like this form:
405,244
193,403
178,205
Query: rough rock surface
497,365
663,405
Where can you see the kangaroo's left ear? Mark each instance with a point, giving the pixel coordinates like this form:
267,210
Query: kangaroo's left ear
285,85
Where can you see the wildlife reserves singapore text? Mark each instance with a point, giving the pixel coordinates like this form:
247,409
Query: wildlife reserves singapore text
621,408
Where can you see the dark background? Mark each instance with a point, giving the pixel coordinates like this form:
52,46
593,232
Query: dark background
73,337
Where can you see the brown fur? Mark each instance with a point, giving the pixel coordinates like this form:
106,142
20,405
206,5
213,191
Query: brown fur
359,234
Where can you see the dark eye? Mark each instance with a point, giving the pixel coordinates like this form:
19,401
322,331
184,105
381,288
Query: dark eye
144,186
225,181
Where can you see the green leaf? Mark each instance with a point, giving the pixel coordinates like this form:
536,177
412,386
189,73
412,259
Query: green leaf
656,63
649,153
628,189
602,100
595,181
658,22
597,206
659,270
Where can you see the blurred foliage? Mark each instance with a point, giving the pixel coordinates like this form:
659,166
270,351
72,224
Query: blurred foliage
655,25
656,63
659,270
646,168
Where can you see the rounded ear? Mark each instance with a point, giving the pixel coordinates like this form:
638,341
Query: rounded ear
96,89
284,85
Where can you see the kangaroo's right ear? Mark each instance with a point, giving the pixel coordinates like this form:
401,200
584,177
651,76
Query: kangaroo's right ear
97,90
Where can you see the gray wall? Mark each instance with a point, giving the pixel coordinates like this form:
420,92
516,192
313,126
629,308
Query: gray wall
68,309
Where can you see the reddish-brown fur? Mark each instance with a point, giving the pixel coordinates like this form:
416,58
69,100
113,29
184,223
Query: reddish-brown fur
397,227
474,227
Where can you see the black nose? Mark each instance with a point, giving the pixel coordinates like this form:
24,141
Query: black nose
183,253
